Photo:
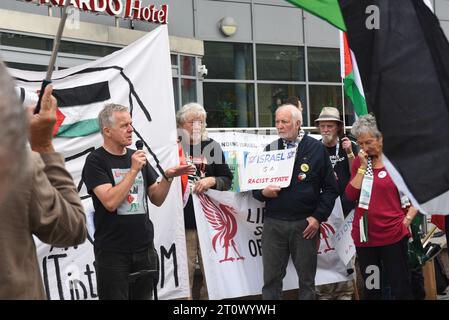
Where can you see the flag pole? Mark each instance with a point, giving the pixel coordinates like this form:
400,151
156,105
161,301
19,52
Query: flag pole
54,55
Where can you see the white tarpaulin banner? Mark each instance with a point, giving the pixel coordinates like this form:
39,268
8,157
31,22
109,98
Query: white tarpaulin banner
342,239
138,76
230,228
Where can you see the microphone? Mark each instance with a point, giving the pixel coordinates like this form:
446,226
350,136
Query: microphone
139,146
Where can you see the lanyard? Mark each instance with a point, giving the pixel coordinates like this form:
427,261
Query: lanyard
337,148
364,200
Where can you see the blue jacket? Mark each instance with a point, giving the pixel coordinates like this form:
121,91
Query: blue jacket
313,193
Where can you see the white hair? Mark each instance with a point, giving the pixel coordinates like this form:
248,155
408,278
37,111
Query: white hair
365,124
106,116
192,109
296,114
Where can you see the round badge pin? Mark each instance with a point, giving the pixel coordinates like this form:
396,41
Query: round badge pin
304,167
382,174
302,176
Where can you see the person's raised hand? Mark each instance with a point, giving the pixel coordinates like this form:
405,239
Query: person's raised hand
42,124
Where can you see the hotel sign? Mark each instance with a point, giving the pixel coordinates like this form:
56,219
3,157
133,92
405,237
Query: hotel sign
126,9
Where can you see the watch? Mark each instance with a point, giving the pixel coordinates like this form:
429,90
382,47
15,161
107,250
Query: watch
169,179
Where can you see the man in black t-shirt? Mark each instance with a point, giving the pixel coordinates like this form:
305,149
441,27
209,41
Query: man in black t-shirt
341,153
119,180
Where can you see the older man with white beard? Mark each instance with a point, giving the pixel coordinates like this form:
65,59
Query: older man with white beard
341,150
341,153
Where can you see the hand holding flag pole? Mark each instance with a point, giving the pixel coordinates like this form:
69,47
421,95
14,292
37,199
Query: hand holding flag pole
54,54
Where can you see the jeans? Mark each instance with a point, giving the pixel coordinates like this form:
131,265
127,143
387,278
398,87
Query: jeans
280,239
113,270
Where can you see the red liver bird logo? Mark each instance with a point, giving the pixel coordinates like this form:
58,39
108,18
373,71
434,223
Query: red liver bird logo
221,218
326,231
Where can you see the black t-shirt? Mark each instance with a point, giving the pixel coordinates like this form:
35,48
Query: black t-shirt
340,164
129,228
209,160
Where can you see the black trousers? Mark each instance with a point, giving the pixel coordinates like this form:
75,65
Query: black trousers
391,261
113,270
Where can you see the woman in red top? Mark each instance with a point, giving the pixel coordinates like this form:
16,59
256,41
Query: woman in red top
380,224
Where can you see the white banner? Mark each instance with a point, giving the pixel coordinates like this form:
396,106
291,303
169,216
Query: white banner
244,216
342,239
236,147
262,169
330,267
138,76
230,229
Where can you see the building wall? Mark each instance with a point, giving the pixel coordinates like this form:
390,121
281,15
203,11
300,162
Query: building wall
277,51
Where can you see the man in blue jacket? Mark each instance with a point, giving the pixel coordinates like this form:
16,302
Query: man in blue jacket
293,214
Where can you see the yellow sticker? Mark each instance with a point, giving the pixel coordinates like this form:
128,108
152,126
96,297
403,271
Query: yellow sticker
304,167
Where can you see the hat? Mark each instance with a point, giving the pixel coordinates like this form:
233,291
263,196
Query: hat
329,114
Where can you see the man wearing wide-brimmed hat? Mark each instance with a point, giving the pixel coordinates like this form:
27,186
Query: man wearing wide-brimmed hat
341,153
340,148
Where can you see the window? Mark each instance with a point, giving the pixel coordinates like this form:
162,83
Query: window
86,49
26,66
280,74
271,96
229,105
174,59
281,63
324,96
324,64
176,92
184,79
38,43
24,41
187,66
188,88
228,60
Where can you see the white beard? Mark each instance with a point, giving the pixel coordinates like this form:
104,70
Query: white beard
327,138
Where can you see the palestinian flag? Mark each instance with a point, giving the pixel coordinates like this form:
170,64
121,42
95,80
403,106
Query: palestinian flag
351,77
404,68
328,10
78,108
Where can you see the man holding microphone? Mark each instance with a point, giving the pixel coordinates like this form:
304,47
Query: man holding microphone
119,180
